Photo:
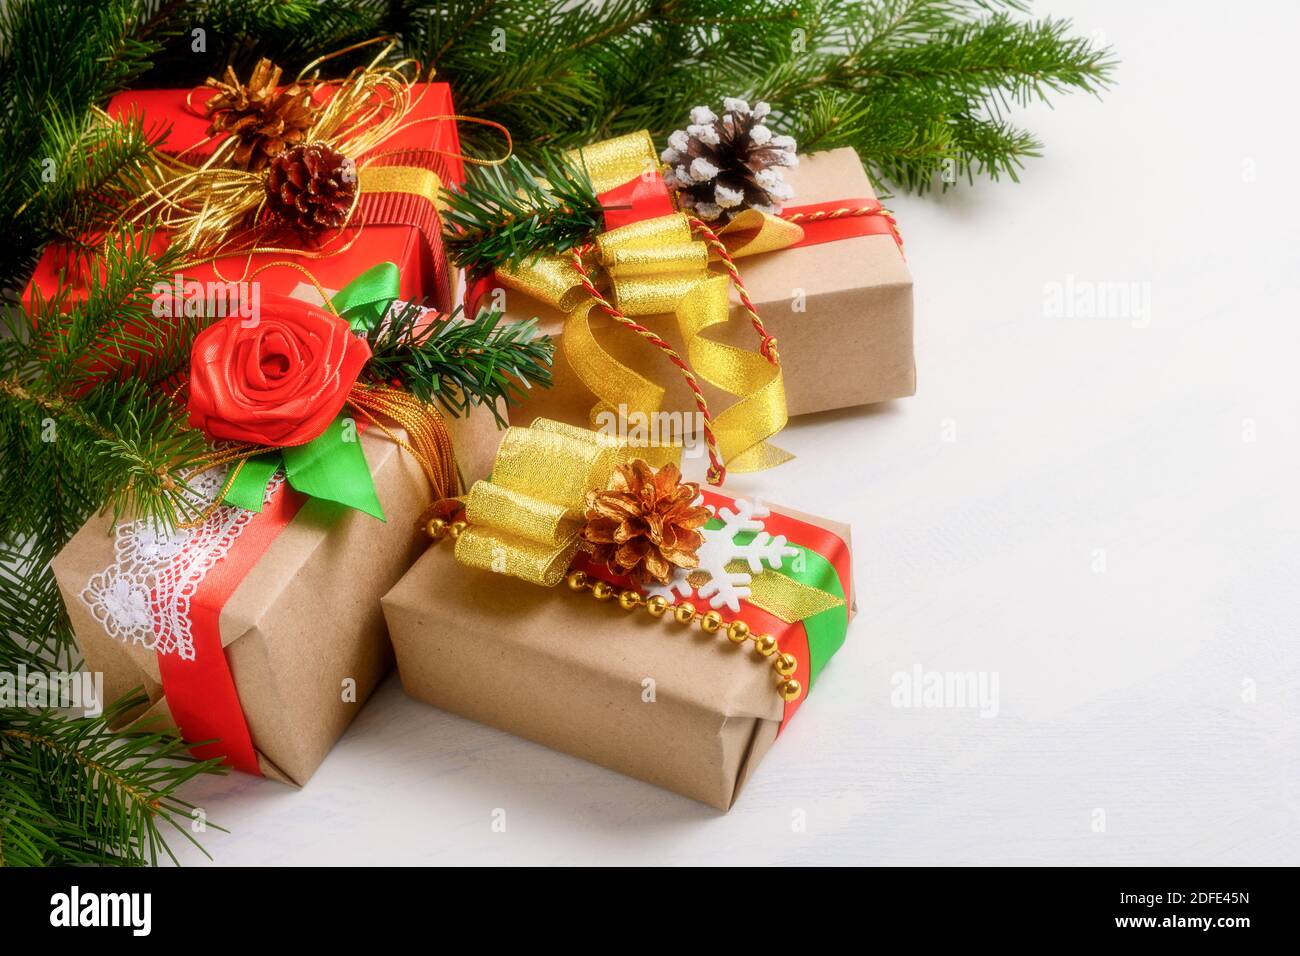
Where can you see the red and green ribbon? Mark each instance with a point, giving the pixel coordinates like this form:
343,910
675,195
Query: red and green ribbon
331,465
823,563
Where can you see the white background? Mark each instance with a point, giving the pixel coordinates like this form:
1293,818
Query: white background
1112,530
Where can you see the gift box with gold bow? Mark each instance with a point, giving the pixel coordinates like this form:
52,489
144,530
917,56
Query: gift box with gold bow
603,607
399,179
832,289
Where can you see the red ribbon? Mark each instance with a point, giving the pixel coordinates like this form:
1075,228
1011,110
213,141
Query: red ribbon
201,693
645,197
868,218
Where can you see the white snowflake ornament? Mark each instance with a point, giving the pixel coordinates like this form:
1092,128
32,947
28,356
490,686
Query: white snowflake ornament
725,588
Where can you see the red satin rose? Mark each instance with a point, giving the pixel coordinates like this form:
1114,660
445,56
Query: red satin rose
278,382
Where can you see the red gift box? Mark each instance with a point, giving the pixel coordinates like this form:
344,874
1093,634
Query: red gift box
402,232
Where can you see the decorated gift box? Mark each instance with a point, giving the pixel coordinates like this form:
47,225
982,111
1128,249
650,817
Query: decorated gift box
820,288
252,623
600,606
334,176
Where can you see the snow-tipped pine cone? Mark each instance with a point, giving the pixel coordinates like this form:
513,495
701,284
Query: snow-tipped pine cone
310,188
721,165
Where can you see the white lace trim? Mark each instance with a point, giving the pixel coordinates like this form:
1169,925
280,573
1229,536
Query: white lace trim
144,596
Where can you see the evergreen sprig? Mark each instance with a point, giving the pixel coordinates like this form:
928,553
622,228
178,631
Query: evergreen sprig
459,363
79,426
58,58
75,792
83,421
504,214
919,87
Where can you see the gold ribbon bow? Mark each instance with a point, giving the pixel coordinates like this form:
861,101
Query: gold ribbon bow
525,520
658,266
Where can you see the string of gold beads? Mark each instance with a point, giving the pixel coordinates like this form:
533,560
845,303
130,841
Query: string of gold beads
436,528
784,664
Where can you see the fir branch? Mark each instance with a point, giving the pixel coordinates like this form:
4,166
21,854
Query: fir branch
35,630
572,73
75,792
458,362
123,445
998,61
447,24
505,214
72,346
84,425
94,171
58,58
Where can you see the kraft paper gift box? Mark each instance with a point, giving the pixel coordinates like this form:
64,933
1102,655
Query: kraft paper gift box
300,627
405,232
676,707
841,311
281,608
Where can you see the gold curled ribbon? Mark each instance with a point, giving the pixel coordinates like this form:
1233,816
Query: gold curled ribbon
657,266
525,520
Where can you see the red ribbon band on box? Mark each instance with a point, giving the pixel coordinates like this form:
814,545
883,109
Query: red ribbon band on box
647,197
201,693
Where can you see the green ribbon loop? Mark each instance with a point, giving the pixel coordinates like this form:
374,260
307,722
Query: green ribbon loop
248,489
365,300
827,629
332,465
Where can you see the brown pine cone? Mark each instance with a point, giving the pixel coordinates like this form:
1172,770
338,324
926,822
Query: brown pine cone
645,523
263,122
310,189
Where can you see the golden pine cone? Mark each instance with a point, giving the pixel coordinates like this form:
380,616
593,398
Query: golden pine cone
644,523
311,188
263,122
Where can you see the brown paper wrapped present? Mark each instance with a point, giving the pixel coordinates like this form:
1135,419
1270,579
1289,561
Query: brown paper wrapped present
301,627
693,711
841,311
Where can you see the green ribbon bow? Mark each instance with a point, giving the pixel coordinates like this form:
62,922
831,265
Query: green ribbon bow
332,465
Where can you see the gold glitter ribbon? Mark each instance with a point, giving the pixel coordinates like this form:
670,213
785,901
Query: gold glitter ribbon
783,597
525,520
656,266
401,179
613,162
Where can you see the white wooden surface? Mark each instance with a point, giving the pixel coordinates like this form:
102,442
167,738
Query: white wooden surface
1100,510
